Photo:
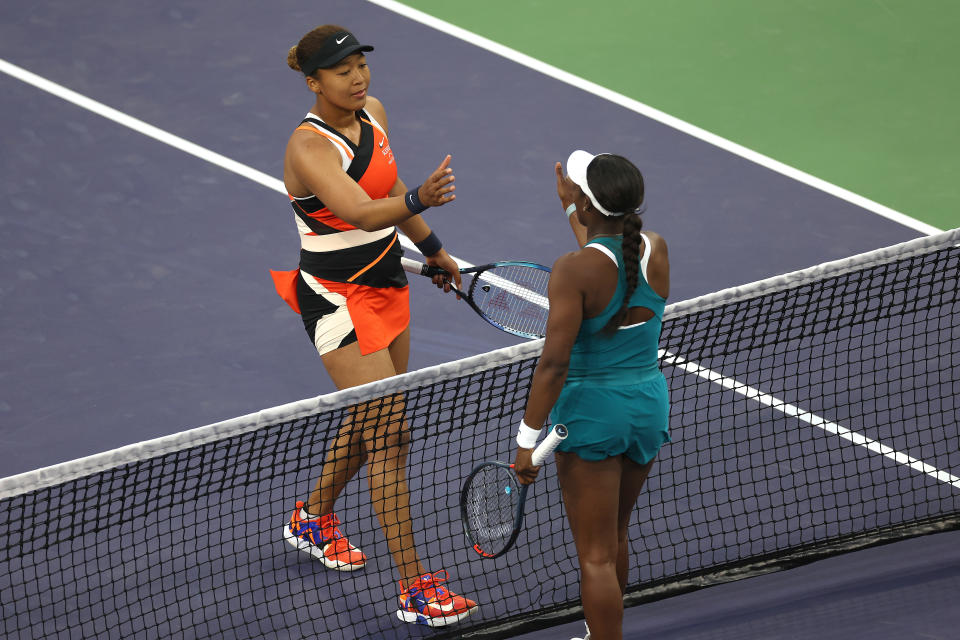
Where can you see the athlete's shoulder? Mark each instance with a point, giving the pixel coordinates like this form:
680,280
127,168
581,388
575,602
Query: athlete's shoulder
575,265
658,269
376,109
311,142
657,241
307,128
565,261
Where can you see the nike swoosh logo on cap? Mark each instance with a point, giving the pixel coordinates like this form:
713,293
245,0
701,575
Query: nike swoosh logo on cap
340,41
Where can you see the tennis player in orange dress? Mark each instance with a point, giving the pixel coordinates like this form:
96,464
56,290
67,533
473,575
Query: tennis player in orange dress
352,294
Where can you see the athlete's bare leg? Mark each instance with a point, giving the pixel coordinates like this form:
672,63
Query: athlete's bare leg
375,434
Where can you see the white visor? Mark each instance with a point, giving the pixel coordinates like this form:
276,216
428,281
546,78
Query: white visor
577,165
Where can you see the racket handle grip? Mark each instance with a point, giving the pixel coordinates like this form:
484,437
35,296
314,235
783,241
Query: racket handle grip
412,266
549,443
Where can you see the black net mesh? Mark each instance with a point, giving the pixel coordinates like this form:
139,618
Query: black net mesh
806,419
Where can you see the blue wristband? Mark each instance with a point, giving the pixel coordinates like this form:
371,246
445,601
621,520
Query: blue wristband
429,246
412,200
571,209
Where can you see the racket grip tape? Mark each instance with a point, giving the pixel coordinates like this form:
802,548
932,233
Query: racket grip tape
412,266
549,443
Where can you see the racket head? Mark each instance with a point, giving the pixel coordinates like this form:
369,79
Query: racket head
512,296
491,508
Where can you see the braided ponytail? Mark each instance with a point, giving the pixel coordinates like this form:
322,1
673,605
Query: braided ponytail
618,186
632,224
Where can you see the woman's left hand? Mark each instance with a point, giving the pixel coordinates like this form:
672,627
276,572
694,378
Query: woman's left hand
523,466
443,260
567,190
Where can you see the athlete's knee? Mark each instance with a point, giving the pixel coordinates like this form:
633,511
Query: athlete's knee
389,438
599,555
382,424
600,567
383,444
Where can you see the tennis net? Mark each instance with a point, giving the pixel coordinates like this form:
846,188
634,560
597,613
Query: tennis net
812,413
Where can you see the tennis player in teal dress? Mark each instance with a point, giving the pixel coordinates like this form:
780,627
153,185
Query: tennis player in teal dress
615,399
599,373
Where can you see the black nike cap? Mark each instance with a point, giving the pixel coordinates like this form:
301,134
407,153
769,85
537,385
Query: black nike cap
335,48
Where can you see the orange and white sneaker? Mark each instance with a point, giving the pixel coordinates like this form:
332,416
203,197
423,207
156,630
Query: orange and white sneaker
426,602
321,538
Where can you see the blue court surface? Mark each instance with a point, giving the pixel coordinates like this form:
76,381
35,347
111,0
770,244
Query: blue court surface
142,210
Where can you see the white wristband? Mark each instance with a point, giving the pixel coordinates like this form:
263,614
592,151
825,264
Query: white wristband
527,438
571,209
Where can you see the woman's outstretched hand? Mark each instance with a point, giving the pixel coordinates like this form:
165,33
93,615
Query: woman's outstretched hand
438,188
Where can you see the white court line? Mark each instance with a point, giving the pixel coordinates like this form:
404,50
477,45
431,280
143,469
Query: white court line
139,125
159,134
657,115
811,419
277,185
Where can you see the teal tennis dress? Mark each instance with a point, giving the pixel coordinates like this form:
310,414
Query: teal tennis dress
615,398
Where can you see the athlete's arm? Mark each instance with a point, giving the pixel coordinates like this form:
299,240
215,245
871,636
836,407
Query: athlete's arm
415,228
566,293
316,165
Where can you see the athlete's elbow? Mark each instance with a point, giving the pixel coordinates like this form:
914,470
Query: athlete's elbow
370,223
367,225
364,223
554,368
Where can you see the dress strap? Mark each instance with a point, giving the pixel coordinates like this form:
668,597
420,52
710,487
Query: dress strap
604,250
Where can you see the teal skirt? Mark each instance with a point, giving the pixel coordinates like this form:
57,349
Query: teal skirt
606,420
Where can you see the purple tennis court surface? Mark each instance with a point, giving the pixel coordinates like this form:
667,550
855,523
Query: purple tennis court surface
135,289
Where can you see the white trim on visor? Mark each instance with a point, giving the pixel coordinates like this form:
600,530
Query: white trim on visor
577,165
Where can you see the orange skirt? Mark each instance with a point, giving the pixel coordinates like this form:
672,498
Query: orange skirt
379,314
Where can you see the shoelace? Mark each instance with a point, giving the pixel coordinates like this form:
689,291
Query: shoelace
316,527
332,521
425,582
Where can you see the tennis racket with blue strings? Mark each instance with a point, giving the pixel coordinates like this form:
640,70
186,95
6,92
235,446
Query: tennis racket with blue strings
492,500
512,296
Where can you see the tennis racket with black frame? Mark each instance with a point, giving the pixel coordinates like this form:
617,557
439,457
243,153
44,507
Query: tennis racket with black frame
510,295
492,500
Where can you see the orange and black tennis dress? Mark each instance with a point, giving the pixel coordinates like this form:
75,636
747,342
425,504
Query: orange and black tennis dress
350,286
